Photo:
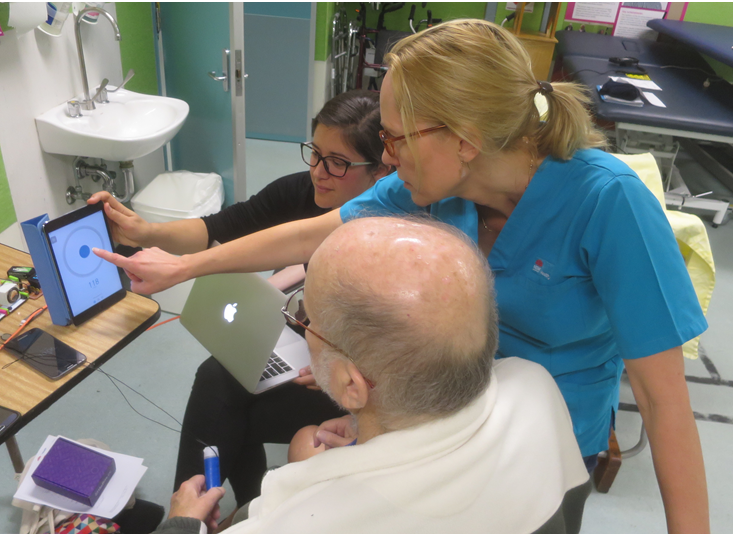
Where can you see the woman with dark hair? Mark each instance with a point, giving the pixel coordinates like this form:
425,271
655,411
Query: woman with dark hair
344,160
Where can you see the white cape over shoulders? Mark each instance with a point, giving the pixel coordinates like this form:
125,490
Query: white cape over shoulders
501,465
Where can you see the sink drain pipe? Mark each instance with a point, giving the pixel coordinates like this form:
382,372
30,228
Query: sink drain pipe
82,169
127,172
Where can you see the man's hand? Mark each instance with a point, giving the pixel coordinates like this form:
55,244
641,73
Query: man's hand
192,500
151,270
127,227
335,433
305,377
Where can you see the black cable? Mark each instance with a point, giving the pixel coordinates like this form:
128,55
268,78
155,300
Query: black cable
113,379
565,77
21,358
508,18
704,71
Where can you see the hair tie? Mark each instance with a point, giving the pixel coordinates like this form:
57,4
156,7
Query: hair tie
545,87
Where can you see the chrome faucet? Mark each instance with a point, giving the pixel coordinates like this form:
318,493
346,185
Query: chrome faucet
88,103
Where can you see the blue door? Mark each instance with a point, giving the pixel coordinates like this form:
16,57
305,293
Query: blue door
278,55
194,35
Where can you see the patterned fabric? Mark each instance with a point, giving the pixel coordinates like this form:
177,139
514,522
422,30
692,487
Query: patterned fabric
88,524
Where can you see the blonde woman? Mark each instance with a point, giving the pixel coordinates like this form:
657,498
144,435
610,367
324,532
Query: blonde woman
588,275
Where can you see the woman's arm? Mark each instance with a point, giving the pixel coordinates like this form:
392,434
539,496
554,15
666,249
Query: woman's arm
659,385
153,270
178,237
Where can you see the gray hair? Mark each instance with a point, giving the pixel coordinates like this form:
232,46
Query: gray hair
419,376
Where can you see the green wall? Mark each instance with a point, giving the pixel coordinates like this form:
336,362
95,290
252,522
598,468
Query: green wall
7,211
720,13
324,16
137,48
4,12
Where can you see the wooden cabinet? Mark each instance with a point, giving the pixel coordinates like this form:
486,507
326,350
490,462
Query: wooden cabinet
540,44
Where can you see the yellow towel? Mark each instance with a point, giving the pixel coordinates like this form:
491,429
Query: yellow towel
690,232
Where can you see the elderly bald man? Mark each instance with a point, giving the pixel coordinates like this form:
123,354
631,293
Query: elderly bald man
402,334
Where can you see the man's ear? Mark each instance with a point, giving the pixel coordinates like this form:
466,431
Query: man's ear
352,393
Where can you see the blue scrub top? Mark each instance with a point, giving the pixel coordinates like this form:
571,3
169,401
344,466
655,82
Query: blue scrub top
587,273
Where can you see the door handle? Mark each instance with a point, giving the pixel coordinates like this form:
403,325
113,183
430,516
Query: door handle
224,78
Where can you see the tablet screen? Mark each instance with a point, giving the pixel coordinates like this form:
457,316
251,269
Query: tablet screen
87,280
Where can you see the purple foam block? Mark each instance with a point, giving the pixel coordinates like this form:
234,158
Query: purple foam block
74,471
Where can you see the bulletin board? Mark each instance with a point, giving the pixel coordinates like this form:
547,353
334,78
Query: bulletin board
622,19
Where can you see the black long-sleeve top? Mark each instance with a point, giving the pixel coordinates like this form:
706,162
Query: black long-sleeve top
286,199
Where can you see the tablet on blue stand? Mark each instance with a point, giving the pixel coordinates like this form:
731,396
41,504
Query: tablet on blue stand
76,283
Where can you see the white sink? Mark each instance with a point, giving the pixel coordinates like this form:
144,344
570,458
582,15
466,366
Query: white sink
130,126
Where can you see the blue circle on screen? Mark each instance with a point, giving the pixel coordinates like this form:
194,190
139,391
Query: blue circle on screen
77,251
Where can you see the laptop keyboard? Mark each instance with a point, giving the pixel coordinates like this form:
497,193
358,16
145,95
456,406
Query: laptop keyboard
276,366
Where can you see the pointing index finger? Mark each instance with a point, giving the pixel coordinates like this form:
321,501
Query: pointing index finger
114,258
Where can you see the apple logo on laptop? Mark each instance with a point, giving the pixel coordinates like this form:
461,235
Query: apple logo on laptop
229,311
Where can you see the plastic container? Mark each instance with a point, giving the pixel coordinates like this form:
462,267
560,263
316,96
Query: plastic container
91,17
57,15
211,467
179,195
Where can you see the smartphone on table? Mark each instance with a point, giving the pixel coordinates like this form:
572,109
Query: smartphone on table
45,353
7,417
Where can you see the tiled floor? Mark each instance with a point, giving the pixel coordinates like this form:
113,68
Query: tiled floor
161,364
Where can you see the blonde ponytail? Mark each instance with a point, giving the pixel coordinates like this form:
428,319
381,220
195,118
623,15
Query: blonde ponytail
475,77
567,126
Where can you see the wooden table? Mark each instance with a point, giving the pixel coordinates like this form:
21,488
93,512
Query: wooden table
27,391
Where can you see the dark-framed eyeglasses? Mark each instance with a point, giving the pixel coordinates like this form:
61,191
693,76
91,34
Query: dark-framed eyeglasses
389,141
334,166
295,314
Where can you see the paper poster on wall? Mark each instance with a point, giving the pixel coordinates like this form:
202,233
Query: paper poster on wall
593,12
632,21
629,19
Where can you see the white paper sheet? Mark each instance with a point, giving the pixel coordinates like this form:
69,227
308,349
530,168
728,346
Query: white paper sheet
632,23
596,12
128,472
642,84
653,99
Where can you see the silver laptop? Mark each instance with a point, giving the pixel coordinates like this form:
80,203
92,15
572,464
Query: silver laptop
237,318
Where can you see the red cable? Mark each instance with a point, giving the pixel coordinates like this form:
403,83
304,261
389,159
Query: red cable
24,323
164,322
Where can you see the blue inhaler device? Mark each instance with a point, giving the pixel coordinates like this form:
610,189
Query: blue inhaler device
211,467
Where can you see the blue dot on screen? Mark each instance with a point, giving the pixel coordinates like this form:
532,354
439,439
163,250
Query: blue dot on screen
84,252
